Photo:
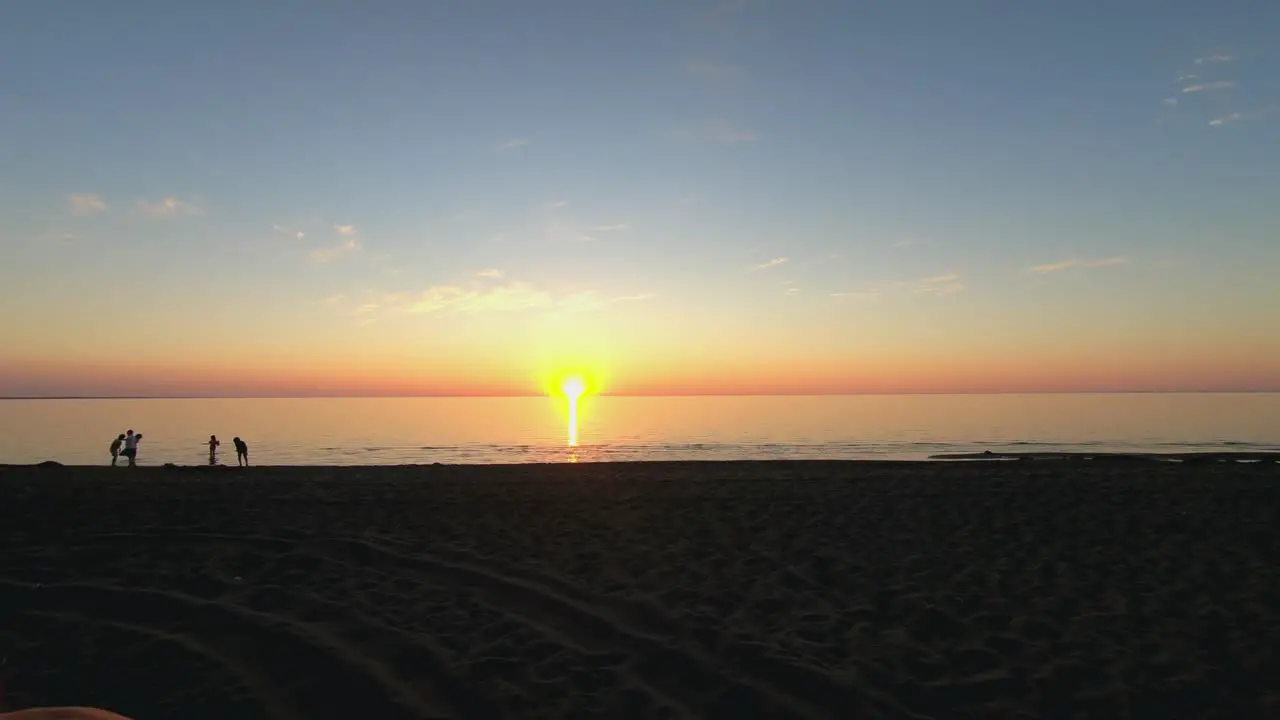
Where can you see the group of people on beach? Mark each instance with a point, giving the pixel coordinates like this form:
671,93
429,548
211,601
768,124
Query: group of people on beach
129,441
126,445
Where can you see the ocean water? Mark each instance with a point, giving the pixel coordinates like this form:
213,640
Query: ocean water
379,431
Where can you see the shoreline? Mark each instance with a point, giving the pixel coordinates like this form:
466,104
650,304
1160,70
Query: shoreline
793,588
969,458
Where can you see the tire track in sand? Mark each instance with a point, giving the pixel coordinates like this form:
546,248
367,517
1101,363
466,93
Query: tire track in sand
687,675
326,676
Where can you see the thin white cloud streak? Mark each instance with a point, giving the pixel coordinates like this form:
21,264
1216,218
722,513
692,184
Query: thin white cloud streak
713,71
1210,86
857,295
324,255
733,137
906,242
86,204
633,298
1076,264
295,234
775,262
1226,119
168,207
490,273
512,297
1209,59
345,230
718,131
558,230
557,204
948,284
617,227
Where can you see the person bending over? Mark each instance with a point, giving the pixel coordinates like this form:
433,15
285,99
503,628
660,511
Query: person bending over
115,448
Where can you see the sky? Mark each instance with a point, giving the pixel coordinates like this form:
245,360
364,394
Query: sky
668,197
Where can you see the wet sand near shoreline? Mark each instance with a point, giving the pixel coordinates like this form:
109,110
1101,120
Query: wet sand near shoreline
741,589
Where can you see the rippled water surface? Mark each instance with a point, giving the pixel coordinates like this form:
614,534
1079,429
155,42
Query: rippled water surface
379,431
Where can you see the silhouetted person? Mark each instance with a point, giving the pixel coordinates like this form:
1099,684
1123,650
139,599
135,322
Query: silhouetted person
213,449
242,451
115,448
131,447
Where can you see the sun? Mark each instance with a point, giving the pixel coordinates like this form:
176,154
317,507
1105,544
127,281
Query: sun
573,387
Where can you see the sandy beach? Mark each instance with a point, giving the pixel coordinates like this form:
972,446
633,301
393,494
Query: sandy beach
1042,589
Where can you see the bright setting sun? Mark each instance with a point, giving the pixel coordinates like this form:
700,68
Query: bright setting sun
573,387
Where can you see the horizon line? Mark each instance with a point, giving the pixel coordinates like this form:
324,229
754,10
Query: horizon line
1257,391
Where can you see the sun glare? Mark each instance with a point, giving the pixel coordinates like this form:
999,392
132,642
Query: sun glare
568,389
573,387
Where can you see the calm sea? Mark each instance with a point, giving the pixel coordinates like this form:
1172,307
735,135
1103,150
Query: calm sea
368,431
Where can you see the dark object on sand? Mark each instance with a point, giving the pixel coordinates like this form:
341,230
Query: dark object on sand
50,464
1186,457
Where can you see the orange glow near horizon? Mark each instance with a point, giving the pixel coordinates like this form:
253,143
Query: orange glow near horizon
654,371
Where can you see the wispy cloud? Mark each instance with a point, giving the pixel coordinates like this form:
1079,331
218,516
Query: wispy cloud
722,13
1170,101
713,71
345,230
857,295
489,273
86,204
168,207
512,144
948,284
775,262
512,297
1212,59
733,136
633,298
324,255
334,299
560,230
295,234
1210,86
717,131
556,204
1076,264
617,227
1227,119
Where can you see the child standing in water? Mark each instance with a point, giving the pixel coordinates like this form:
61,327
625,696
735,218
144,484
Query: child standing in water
213,449
131,447
115,448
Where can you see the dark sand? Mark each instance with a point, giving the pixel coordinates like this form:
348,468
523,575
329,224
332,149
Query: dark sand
1003,589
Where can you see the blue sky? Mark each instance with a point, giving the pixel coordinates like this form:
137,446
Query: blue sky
856,181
